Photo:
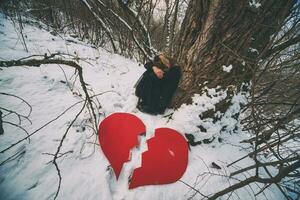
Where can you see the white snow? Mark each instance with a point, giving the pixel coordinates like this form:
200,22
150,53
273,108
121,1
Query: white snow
253,50
254,3
84,169
227,68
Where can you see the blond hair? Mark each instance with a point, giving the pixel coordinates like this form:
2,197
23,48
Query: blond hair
167,60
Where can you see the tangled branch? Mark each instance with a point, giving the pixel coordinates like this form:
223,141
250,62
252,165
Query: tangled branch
37,61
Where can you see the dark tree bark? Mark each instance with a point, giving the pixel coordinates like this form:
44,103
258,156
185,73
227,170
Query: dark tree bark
223,32
173,26
1,127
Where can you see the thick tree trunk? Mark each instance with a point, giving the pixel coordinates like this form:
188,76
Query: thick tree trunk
224,32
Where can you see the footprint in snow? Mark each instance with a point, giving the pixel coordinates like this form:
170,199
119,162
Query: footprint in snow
118,105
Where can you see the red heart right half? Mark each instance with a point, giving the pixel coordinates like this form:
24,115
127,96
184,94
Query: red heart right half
164,162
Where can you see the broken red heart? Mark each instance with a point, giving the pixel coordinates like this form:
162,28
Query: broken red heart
117,136
164,162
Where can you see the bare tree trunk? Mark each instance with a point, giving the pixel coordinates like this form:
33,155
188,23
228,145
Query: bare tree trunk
21,30
229,32
173,26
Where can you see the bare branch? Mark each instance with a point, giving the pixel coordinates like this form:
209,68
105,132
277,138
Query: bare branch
103,25
281,174
56,155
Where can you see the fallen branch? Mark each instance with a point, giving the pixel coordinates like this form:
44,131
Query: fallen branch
23,100
40,128
56,155
52,60
277,162
19,116
37,62
49,122
283,172
18,126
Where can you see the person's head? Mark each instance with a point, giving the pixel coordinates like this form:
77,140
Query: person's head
163,61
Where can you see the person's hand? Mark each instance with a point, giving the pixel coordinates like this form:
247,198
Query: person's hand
158,72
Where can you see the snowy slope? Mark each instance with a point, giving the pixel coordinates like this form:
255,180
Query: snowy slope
84,169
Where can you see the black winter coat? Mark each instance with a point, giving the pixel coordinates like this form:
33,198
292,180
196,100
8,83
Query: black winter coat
156,94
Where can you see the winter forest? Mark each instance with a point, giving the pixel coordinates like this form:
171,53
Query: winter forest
68,66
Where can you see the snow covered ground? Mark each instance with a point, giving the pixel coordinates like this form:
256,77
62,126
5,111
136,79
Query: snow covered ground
84,168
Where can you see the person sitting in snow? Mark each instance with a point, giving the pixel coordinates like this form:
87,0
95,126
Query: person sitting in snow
157,85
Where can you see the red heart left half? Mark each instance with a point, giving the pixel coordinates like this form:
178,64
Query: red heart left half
118,134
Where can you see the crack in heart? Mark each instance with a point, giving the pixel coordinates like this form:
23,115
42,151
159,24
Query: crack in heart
164,162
